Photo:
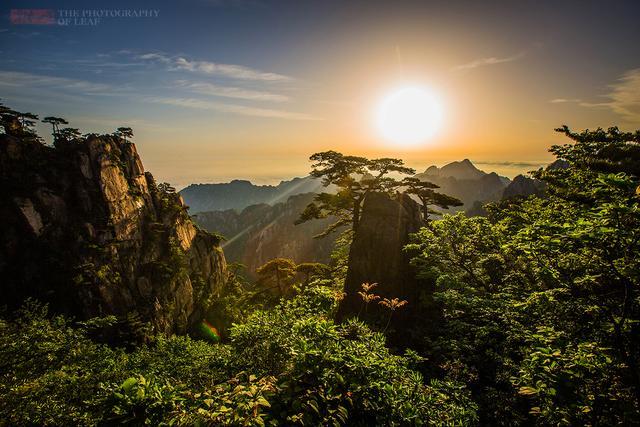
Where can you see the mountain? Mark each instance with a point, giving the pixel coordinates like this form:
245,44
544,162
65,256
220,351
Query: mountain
459,179
459,170
466,182
258,221
262,232
525,186
238,194
87,230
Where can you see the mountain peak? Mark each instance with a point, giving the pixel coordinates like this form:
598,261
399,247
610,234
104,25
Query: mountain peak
463,169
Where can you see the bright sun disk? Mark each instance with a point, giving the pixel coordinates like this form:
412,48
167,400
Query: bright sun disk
408,116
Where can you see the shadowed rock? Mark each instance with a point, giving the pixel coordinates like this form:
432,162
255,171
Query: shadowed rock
84,228
377,255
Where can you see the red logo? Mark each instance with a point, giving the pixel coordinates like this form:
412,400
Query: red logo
33,16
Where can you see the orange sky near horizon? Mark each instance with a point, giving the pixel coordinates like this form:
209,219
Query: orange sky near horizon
251,92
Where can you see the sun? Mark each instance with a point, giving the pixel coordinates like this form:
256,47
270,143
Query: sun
408,116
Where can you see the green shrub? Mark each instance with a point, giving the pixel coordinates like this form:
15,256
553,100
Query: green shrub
291,365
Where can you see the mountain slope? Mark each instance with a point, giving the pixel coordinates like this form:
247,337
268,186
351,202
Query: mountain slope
526,186
262,232
523,186
238,194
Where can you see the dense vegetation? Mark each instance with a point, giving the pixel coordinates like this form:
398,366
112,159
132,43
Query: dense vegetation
289,365
537,306
540,301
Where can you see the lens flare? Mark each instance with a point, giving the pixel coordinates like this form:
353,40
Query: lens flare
209,331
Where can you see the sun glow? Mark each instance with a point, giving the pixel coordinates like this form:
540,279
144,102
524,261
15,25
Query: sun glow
408,116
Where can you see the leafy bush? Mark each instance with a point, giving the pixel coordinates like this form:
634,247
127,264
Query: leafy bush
290,365
539,303
332,374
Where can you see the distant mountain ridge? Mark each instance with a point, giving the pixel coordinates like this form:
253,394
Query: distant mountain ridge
465,181
238,194
461,179
259,220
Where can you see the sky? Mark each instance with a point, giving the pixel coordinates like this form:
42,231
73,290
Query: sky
223,89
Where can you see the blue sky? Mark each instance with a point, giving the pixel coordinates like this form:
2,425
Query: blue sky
219,89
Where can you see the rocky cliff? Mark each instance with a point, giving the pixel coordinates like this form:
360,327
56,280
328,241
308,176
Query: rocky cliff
377,256
262,232
85,228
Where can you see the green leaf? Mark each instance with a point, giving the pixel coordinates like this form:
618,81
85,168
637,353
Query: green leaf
128,384
527,391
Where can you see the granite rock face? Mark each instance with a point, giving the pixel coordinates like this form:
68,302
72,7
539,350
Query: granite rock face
377,255
86,229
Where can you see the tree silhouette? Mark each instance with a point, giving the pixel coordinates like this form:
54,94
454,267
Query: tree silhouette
55,124
165,187
69,134
4,110
28,119
424,191
124,133
355,177
9,121
18,124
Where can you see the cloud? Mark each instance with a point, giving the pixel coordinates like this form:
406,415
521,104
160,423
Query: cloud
103,62
232,92
487,61
20,79
623,98
228,70
155,56
564,100
522,164
232,108
232,71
